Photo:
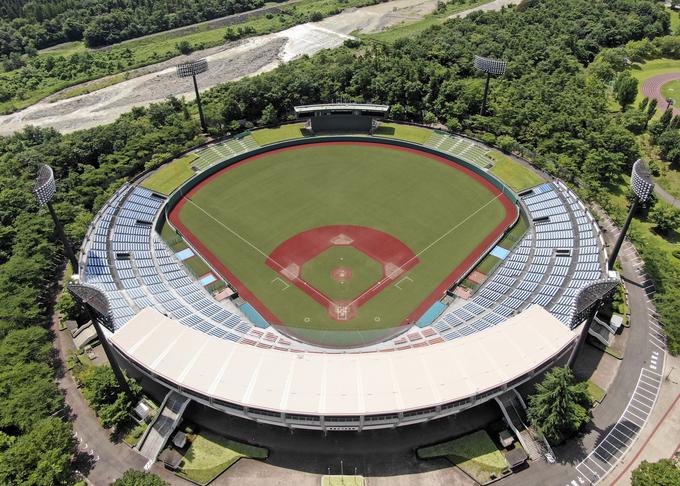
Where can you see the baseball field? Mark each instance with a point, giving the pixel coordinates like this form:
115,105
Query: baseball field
341,243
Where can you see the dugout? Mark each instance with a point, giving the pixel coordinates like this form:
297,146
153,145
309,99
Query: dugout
341,117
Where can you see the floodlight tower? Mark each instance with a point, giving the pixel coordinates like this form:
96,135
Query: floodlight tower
96,305
588,301
642,185
44,190
495,67
193,69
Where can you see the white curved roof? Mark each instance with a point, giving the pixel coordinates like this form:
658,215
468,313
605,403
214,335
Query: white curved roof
342,384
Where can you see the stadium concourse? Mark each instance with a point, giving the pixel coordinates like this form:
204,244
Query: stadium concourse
170,328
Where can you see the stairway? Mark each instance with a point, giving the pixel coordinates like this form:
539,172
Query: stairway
515,415
600,331
157,434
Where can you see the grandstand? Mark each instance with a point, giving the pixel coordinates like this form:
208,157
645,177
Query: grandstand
154,298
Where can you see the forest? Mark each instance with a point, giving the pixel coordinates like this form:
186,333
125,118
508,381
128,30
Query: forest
555,101
26,26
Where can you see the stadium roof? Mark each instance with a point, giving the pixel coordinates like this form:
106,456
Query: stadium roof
342,384
341,107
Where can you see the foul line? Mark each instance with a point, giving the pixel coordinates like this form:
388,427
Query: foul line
415,256
400,267
267,257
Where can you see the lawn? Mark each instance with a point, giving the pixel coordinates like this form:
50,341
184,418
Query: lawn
343,481
403,132
675,21
596,393
644,71
209,455
475,454
672,90
413,28
242,214
515,175
279,134
170,176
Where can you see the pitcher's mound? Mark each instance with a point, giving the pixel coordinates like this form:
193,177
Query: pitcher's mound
341,274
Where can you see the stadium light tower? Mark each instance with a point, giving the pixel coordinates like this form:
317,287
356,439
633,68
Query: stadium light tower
588,301
193,69
44,189
492,67
96,305
642,185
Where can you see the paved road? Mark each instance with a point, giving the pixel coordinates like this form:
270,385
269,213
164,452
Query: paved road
637,355
101,460
666,196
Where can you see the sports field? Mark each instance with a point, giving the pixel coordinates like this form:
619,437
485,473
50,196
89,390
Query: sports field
343,242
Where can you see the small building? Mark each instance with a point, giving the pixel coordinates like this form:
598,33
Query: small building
342,117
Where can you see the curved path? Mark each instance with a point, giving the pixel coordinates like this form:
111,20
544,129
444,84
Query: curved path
651,88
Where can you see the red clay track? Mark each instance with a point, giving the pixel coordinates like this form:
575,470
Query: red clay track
510,215
652,90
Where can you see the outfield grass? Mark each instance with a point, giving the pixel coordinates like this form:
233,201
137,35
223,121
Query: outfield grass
403,132
475,454
210,455
513,174
643,71
278,134
672,90
413,28
407,195
170,176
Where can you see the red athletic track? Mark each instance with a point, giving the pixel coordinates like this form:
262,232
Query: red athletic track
652,90
510,215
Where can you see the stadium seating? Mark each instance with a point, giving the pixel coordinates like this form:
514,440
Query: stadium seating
553,261
126,259
460,147
220,151
561,253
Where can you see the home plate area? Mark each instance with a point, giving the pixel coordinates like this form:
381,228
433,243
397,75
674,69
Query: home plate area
342,266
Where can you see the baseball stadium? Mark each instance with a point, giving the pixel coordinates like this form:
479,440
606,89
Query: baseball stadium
341,273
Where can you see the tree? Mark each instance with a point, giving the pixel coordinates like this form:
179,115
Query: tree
662,473
669,142
105,396
665,218
559,408
625,89
269,115
132,477
24,345
27,394
41,457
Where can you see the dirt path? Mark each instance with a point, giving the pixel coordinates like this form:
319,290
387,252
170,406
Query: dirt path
230,62
652,89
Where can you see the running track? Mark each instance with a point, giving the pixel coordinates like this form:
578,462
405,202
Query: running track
652,89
